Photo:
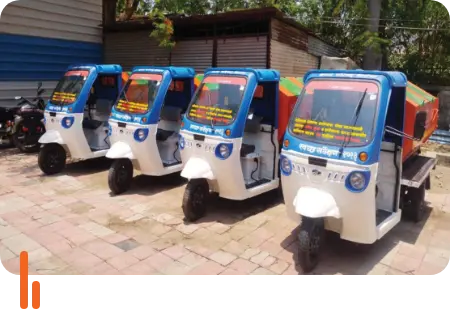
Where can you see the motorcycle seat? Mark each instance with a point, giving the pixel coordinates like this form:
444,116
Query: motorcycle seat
247,149
91,124
163,135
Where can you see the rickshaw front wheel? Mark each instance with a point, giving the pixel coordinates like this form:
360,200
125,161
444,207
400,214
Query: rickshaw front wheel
310,241
120,176
195,199
52,159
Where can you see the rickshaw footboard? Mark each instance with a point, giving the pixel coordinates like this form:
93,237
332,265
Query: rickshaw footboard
382,215
416,170
257,183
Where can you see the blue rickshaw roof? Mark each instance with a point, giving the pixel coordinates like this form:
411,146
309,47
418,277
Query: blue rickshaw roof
262,75
100,68
395,78
176,72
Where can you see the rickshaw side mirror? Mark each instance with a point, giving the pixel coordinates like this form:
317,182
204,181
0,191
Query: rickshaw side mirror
420,125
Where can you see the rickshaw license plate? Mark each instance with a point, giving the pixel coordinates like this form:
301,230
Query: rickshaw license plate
52,114
122,125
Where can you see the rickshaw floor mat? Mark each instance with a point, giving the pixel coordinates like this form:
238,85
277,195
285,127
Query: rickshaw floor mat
247,149
91,124
171,164
415,169
163,135
257,183
382,215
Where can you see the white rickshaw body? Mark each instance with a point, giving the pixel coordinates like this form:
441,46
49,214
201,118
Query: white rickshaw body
223,143
144,127
322,160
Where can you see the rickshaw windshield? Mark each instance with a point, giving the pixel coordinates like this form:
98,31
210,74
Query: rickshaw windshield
327,112
218,100
139,93
69,87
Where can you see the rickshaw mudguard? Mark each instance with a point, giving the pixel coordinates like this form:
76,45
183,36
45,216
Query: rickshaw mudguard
315,203
51,137
120,150
196,168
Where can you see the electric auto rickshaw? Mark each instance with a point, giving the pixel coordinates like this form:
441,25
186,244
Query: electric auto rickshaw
229,138
76,116
145,124
350,160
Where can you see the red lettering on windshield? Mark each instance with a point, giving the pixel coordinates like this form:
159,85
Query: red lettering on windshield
77,73
226,80
145,76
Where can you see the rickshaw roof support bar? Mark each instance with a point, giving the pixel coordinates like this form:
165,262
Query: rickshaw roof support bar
396,79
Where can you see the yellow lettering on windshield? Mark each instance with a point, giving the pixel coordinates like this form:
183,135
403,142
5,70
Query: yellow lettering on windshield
329,131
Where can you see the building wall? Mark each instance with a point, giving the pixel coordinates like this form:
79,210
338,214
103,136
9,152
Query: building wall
247,52
289,48
39,39
319,48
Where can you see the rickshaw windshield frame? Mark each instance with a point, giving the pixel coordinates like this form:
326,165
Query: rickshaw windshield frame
235,113
133,104
347,127
65,92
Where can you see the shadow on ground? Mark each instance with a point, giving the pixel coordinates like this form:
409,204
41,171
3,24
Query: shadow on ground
343,257
231,212
151,185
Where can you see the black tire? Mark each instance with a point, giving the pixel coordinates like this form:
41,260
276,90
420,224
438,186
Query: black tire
120,176
310,241
195,199
21,140
414,203
52,159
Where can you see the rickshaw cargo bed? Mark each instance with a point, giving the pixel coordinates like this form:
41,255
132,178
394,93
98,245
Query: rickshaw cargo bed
419,103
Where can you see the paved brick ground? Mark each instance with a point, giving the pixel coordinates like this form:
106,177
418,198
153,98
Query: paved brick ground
70,224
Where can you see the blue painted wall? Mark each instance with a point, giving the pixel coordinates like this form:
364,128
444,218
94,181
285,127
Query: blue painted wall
27,58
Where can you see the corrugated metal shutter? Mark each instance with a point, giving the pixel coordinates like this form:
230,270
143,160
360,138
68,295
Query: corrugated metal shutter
291,61
57,19
130,49
289,35
9,90
196,54
242,52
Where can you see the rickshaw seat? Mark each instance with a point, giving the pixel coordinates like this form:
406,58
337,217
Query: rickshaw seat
163,135
247,149
91,124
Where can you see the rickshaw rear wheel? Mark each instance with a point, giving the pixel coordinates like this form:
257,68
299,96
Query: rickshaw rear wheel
120,176
52,159
310,241
414,203
195,199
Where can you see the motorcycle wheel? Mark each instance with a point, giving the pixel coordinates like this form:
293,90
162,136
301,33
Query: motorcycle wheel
21,140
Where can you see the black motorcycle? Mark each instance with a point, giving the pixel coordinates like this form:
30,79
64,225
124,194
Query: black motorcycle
23,124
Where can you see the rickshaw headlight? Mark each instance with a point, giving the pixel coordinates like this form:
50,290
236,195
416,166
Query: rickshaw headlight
358,181
286,166
181,142
67,122
223,151
140,135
